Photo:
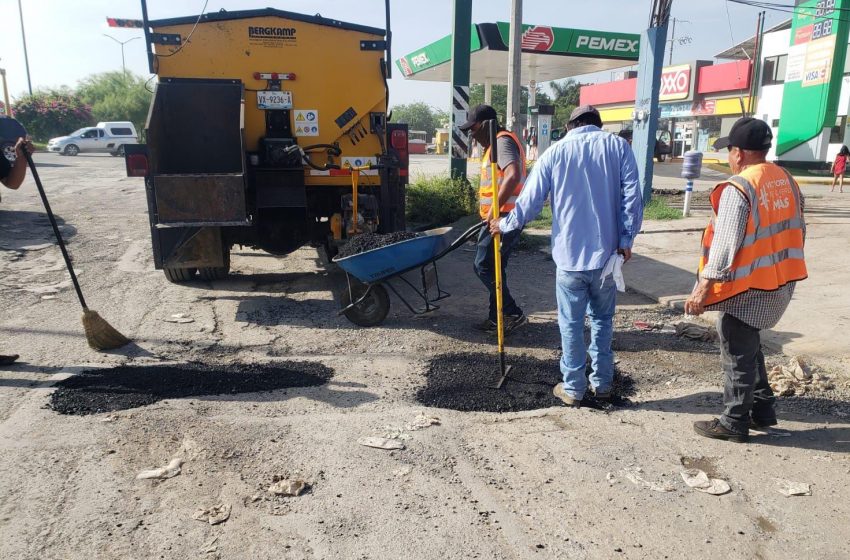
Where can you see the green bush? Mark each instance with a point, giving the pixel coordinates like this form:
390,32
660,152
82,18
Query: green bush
116,96
439,200
49,113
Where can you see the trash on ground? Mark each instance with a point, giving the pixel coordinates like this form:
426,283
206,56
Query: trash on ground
790,488
402,472
381,443
797,378
634,475
168,471
699,480
696,332
288,487
770,432
423,421
219,513
179,318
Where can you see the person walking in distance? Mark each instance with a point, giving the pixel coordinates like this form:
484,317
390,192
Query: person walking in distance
510,180
839,166
590,179
752,257
12,176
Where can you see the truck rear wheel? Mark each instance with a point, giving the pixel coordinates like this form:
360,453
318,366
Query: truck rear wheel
179,275
371,311
216,272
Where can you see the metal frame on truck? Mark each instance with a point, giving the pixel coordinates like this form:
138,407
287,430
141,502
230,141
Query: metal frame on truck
241,152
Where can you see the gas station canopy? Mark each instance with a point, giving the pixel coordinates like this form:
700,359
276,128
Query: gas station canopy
548,53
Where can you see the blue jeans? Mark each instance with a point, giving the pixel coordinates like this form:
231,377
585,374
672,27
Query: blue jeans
579,293
486,271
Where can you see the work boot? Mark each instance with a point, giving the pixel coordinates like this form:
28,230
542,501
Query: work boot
8,360
715,430
558,391
486,326
757,423
603,396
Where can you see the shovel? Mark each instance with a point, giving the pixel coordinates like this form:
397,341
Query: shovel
497,257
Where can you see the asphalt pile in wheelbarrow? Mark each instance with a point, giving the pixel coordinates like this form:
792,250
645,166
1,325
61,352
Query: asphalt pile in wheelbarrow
125,387
465,381
368,241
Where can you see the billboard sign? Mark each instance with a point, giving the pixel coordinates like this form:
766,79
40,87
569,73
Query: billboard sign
675,83
814,71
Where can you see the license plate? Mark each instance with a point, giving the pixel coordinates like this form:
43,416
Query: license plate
274,100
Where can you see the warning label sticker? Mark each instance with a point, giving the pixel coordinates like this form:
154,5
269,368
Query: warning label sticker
360,161
306,122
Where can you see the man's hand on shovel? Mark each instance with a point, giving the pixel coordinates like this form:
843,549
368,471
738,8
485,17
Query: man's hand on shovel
494,226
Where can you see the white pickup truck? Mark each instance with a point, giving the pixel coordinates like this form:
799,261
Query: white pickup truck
107,137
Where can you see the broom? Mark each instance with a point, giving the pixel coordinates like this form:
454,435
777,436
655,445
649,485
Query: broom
99,334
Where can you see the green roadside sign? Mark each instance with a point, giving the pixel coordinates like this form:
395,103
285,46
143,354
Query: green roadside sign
576,42
814,70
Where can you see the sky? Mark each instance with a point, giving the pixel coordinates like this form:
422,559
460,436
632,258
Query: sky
65,39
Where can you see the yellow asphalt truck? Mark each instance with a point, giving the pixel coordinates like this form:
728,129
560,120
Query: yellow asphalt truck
258,121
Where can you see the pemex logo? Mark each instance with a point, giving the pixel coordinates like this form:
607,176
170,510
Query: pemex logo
538,38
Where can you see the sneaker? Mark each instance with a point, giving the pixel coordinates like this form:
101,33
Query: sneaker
513,322
486,326
8,360
715,430
558,391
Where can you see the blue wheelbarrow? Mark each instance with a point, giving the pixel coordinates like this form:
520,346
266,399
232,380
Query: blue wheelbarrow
368,275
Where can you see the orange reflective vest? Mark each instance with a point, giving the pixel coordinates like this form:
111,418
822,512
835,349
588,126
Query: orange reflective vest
485,191
771,254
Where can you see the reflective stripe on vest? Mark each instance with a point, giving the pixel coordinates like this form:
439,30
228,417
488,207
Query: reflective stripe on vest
485,194
771,254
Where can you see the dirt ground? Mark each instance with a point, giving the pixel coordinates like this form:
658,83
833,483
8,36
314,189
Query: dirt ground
545,483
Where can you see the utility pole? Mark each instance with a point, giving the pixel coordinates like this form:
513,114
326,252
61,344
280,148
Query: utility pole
515,68
672,38
7,106
24,38
461,37
122,43
647,109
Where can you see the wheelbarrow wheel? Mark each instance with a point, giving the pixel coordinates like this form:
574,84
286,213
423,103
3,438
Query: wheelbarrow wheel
372,310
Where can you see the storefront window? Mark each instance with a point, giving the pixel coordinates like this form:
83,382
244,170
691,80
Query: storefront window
836,135
773,70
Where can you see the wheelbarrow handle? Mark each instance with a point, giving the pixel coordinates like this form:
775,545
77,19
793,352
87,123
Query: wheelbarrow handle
465,236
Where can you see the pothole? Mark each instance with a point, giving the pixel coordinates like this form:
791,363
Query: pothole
125,387
465,382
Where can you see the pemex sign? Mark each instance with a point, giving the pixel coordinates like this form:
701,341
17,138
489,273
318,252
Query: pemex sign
815,66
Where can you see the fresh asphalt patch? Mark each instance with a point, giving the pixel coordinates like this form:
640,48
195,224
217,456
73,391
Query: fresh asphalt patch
368,241
128,386
465,382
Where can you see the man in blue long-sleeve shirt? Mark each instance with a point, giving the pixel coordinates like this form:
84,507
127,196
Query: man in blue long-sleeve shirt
590,179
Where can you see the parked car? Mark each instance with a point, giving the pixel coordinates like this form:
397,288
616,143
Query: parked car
663,146
107,137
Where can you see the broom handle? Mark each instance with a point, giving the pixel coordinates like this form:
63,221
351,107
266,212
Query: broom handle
55,228
497,243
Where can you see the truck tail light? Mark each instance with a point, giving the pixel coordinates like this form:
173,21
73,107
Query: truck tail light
398,141
137,165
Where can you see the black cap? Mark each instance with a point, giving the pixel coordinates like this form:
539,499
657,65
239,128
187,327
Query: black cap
477,114
747,134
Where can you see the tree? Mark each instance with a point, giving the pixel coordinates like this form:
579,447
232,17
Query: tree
116,96
500,99
566,95
420,116
52,112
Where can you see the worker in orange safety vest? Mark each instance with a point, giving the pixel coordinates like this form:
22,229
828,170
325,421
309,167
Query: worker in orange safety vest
752,257
511,177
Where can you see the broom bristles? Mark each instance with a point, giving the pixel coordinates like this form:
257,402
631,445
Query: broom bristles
100,334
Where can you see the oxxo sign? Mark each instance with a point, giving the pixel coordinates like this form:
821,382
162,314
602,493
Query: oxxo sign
675,83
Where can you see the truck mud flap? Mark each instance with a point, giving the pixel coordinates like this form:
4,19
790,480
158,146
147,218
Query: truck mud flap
200,199
191,247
